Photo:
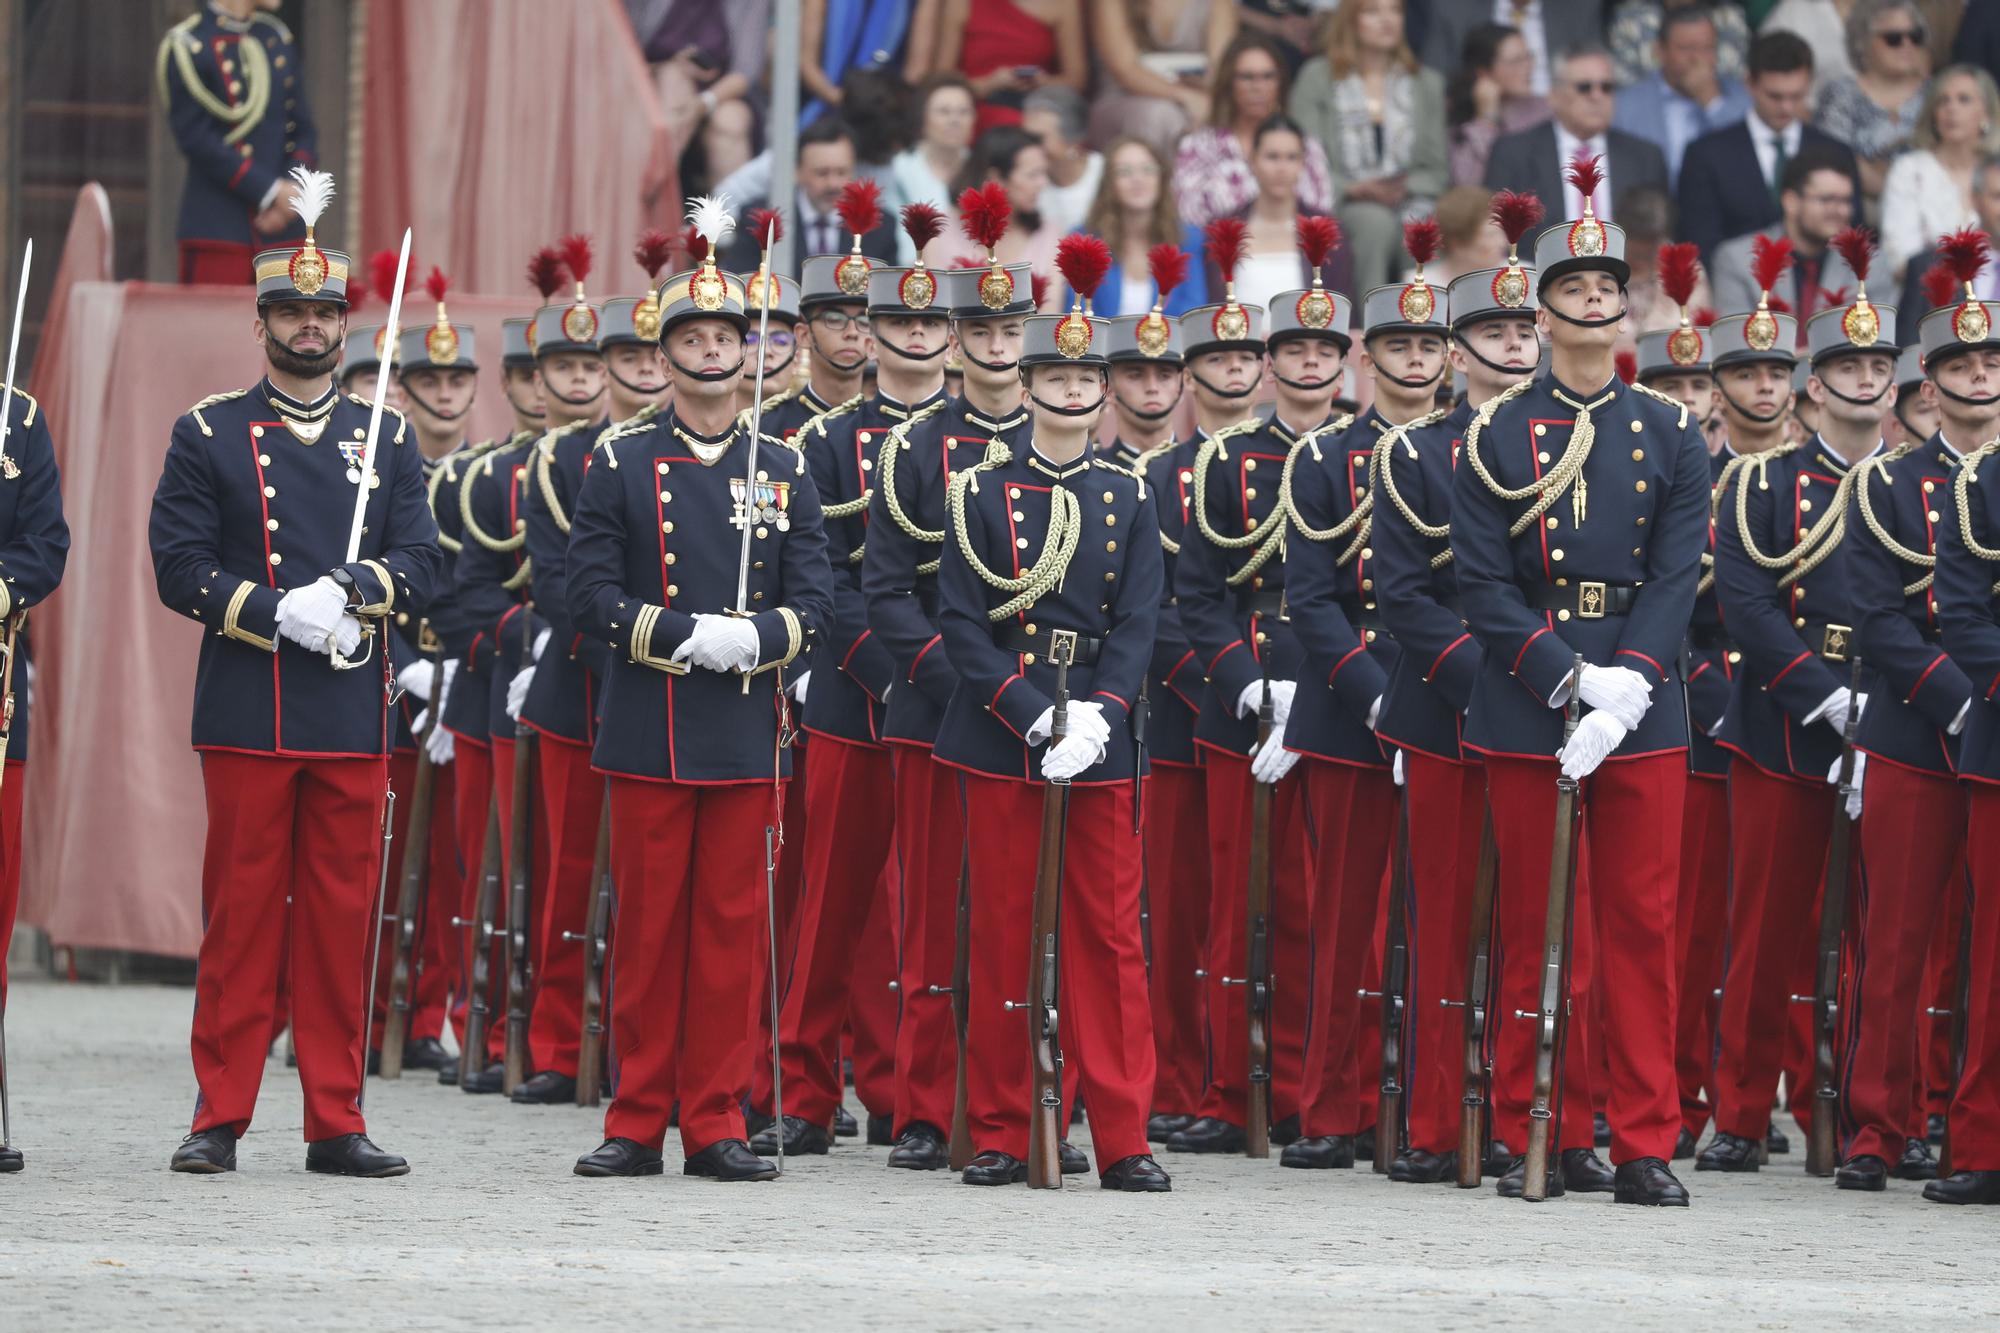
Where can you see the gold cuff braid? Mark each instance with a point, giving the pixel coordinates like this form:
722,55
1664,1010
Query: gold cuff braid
232,630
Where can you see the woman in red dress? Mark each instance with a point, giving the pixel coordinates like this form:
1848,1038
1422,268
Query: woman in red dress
1009,48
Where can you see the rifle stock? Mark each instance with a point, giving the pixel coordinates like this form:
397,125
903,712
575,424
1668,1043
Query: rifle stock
1822,1144
1045,1048
1552,1010
479,966
1472,1131
590,1057
520,850
1395,984
411,888
1256,980
961,994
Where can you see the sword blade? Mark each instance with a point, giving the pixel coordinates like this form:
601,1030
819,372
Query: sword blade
375,411
14,344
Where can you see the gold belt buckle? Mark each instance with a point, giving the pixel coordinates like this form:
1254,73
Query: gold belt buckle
1590,601
1833,644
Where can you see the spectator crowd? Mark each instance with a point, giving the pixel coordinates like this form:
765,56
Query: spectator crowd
1141,121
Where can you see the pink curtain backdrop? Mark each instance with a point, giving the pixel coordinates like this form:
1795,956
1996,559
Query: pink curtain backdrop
492,127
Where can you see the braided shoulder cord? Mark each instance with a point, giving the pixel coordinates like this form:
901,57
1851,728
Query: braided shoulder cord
1882,534
545,459
484,468
885,477
816,421
1961,495
1065,530
1382,470
1715,494
1310,440
1815,544
1209,451
1666,398
1544,486
449,544
1139,466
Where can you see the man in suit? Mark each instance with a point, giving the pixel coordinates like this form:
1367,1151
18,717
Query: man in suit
1817,201
1546,25
1686,97
825,166
1715,195
1583,98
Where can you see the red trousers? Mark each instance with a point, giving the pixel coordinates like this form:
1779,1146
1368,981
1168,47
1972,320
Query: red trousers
1176,841
1941,976
1447,808
572,799
931,847
226,263
1913,864
471,791
1700,913
787,882
847,833
307,830
1777,857
431,978
1229,783
1352,811
1975,1107
689,865
1621,929
1106,1020
11,791
871,1001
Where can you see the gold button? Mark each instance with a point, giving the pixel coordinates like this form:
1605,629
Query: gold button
1013,492
1369,636
1186,475
1542,457
1932,514
1805,506
270,491
1805,481
1639,486
1562,583
1367,585
1027,659
271,524
1367,553
1107,497
663,469
1636,551
520,523
1021,542
277,558
1249,465
763,475
1638,455
1556,554
756,596
256,432
1799,622
1257,582
1020,517
1552,522
1638,426
1563,614
1929,486
1361,462
668,526
867,464
673,590
763,532
402,617
1111,546
666,497
1540,429
1028,628
1641,520
672,557
263,460
1110,576
1250,492
1735,657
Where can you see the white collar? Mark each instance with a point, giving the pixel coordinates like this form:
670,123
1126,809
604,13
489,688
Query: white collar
1956,452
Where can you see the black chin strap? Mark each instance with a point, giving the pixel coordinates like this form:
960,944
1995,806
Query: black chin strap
1907,425
637,391
418,399
1160,415
578,403
995,367
1230,394
913,356
1495,366
1412,385
1745,412
532,414
707,376
1605,322
1307,386
1047,406
1988,401
1870,401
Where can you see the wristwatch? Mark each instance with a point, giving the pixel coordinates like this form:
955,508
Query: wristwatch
345,582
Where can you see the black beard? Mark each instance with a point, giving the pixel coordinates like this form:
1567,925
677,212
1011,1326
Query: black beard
286,361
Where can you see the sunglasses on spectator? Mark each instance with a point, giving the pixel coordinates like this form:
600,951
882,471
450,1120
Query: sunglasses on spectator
1902,37
1589,86
835,321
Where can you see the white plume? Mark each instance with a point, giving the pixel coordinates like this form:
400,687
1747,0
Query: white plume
315,193
711,217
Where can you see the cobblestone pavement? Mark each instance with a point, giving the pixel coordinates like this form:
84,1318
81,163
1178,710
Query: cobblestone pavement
491,1230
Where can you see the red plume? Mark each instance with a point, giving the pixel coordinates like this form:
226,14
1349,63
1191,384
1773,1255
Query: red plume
1517,213
1586,173
653,251
357,297
1422,238
1627,362
1770,257
382,274
1778,305
1226,241
1963,253
1857,246
576,256
1169,264
694,245
1940,288
1679,267
1318,238
437,284
1838,296
1083,260
1702,316
767,225
545,271
1041,288
983,214
967,261
922,224
860,206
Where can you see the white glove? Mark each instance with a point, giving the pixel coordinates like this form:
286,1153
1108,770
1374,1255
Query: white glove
720,643
1396,768
308,616
517,691
1085,719
1853,797
441,745
1958,722
346,636
444,686
415,680
798,688
1619,691
541,643
1070,756
1270,761
1374,712
1596,737
1833,710
1252,698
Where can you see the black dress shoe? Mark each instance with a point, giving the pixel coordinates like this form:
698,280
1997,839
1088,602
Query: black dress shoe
1286,1131
448,1075
490,1079
1137,1175
994,1168
1866,1172
1322,1152
1364,1146
1917,1162
547,1088
427,1053
921,1148
1417,1167
802,1137
11,1161
1516,1179
729,1159
1965,1187
1647,1181
620,1157
1934,1129
1600,1130
755,1122
1074,1163
1729,1152
353,1155
1499,1161
844,1124
1776,1143
881,1130
1584,1172
1684,1145
205,1154
1207,1134
1163,1125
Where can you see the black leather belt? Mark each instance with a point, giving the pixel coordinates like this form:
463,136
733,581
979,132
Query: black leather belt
1710,639
1262,602
1832,641
1033,641
1585,599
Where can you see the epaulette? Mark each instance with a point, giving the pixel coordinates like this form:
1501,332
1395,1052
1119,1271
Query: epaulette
1666,398
33,406
209,402
775,400
1243,427
545,443
816,422
1110,466
1338,426
624,430
639,418
272,20
402,422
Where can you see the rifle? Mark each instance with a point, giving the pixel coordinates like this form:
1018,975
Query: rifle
1257,978
375,931
7,646
479,988
590,1058
1394,995
1959,1014
1472,1133
961,1002
1552,1013
1822,1147
520,848
1044,1047
413,889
